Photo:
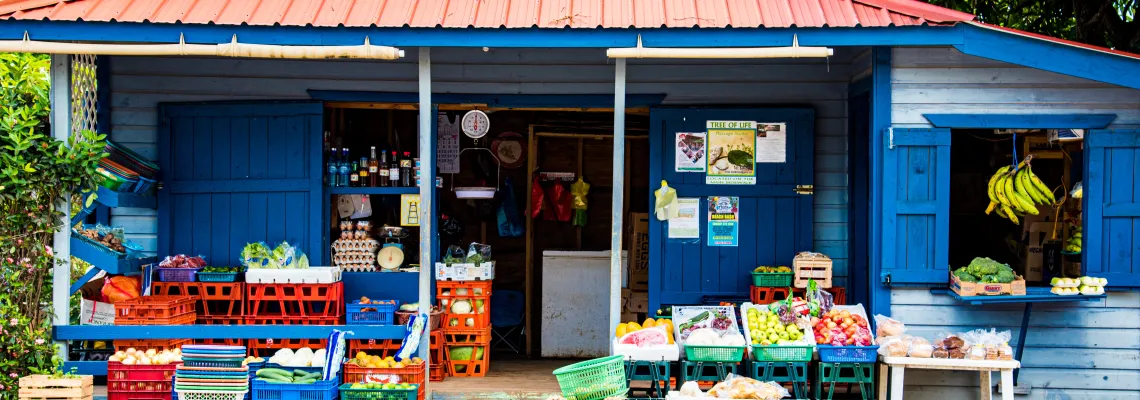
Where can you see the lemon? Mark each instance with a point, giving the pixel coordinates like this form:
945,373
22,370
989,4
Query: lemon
649,323
622,329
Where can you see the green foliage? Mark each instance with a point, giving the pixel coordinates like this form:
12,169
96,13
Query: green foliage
1107,23
36,172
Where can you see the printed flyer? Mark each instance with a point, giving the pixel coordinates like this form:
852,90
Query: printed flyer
724,221
771,143
732,149
690,155
687,223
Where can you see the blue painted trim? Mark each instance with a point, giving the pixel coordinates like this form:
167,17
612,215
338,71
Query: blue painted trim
656,243
1020,121
381,191
1046,55
111,332
103,95
318,230
879,294
163,233
432,170
106,261
83,280
1032,295
477,37
113,199
858,186
492,100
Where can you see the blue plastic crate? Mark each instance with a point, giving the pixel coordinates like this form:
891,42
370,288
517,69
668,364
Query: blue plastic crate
322,390
848,354
306,369
217,276
385,314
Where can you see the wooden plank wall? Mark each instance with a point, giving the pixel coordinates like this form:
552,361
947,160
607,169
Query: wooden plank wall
1074,350
139,83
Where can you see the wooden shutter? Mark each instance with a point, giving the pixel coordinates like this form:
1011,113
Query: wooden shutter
916,206
1111,240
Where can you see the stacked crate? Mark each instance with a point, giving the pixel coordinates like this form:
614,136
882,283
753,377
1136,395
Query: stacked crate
294,303
389,347
218,303
140,382
462,331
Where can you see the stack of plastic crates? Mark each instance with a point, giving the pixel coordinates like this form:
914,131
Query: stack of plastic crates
156,310
212,372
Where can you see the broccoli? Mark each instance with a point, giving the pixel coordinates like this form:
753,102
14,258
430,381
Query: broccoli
988,279
964,275
982,266
1004,276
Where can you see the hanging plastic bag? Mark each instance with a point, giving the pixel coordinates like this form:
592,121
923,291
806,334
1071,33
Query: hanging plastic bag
361,206
120,288
537,198
579,190
665,202
510,224
562,199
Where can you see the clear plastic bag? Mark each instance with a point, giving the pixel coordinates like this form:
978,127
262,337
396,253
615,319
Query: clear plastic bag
478,253
454,255
739,387
887,326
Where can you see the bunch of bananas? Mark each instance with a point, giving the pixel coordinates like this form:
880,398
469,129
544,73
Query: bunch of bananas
1075,242
1017,191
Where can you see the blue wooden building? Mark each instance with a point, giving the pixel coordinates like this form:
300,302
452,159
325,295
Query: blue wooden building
871,129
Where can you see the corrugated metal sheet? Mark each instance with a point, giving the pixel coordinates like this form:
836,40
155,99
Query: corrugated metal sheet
495,13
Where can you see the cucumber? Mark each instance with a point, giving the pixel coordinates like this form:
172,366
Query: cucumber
274,380
314,375
298,372
277,374
305,381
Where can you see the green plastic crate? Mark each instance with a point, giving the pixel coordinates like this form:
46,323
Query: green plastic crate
728,354
348,393
782,353
594,379
772,279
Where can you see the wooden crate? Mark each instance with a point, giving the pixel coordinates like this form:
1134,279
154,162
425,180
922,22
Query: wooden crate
809,266
47,387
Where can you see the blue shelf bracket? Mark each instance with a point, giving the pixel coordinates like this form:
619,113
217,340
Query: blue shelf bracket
78,284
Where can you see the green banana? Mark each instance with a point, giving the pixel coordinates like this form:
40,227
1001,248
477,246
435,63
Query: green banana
1028,188
1027,205
1042,187
999,191
1014,197
990,187
1009,214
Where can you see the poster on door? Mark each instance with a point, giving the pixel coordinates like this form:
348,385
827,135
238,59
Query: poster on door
447,145
690,152
724,221
687,223
731,153
409,210
771,142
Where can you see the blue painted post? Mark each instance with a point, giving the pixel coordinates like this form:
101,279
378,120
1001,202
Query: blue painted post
879,295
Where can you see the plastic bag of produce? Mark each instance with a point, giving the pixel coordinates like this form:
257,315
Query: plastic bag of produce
478,253
887,326
454,255
120,288
819,296
739,387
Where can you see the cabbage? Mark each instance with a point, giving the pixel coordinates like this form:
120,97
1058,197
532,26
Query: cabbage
731,339
461,307
703,337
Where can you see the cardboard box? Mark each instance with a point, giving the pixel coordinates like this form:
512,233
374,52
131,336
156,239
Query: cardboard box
1038,235
632,316
465,271
639,251
635,301
1015,288
96,313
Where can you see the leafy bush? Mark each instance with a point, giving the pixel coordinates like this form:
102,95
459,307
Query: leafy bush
36,172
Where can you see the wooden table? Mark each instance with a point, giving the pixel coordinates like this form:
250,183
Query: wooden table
898,366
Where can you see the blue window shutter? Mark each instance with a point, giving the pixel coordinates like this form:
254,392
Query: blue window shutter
237,173
916,206
1111,244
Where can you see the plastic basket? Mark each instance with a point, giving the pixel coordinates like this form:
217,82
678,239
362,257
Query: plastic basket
321,390
384,314
217,276
176,274
209,395
348,393
782,353
402,318
593,379
848,354
729,354
155,310
772,279
208,363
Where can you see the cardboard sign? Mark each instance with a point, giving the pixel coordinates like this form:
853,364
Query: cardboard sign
96,313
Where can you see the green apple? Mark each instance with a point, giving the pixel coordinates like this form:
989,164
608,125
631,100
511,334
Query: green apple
774,338
784,335
755,333
778,328
765,342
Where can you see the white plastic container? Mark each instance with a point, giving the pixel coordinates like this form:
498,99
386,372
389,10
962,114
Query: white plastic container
665,352
465,271
308,275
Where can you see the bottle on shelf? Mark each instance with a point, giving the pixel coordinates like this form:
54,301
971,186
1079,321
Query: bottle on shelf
342,168
332,169
373,169
364,179
394,170
354,176
382,170
407,176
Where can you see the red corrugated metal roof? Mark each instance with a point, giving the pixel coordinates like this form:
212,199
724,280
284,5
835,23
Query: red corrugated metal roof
495,13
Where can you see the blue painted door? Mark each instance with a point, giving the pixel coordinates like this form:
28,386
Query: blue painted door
916,206
1111,240
775,221
239,173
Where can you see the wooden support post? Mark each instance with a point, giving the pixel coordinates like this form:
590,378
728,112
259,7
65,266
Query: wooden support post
618,193
60,97
427,213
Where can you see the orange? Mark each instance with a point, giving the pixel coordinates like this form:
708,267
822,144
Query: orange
622,329
649,323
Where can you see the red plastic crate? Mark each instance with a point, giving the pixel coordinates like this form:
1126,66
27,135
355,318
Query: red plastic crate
294,300
156,310
118,372
139,386
266,347
388,347
213,299
410,374
469,368
139,395
146,344
838,294
236,320
437,372
293,320
481,315
220,342
767,295
467,336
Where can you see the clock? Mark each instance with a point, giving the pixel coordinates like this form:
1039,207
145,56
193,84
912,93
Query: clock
475,124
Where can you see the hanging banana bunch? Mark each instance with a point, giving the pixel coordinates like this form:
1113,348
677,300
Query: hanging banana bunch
1015,192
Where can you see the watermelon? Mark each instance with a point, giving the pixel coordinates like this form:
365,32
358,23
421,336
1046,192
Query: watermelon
645,337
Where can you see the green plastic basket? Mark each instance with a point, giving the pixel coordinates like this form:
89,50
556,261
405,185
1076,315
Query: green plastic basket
782,353
772,279
729,354
593,379
348,393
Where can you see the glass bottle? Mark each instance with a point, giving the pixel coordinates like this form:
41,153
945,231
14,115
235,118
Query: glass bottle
332,169
364,179
354,177
382,170
373,169
407,174
342,168
394,170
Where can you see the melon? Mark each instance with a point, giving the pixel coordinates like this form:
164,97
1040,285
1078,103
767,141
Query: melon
645,337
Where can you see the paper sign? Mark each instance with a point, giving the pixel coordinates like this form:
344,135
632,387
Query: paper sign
724,221
731,153
690,152
771,142
687,223
447,145
409,210
96,313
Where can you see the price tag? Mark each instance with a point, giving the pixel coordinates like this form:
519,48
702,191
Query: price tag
269,342
371,342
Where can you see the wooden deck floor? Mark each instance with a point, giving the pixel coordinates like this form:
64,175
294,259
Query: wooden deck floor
507,379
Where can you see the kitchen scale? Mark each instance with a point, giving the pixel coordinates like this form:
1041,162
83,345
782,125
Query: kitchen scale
391,255
475,125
